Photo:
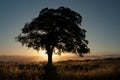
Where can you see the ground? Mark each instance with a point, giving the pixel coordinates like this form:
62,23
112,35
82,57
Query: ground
107,69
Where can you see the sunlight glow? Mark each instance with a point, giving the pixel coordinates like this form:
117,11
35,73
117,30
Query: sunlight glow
43,54
56,57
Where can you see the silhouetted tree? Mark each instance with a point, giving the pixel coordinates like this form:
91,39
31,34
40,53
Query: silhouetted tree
55,29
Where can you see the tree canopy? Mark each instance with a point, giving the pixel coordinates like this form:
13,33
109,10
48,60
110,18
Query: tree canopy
55,29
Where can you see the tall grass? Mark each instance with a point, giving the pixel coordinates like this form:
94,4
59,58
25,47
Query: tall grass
65,70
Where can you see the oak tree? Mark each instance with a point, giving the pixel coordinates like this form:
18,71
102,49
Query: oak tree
55,29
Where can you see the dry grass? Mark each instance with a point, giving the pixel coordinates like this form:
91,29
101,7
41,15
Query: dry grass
66,70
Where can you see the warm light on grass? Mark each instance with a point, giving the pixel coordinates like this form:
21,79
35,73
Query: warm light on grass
67,70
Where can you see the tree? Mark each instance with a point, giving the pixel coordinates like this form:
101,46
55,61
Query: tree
55,29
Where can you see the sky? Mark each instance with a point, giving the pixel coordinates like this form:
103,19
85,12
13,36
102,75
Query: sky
101,19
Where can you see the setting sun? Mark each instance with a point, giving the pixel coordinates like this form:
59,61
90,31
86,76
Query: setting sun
43,54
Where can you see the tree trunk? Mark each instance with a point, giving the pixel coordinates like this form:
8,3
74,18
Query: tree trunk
50,58
49,53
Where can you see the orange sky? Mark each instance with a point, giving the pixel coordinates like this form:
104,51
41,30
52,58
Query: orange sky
37,57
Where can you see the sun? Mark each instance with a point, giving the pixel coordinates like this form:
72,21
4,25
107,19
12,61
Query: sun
43,54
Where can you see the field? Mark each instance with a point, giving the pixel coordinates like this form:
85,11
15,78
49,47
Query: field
107,69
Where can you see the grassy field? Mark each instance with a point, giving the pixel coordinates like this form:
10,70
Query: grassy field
107,69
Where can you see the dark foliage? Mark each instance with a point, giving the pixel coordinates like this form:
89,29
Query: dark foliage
55,29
